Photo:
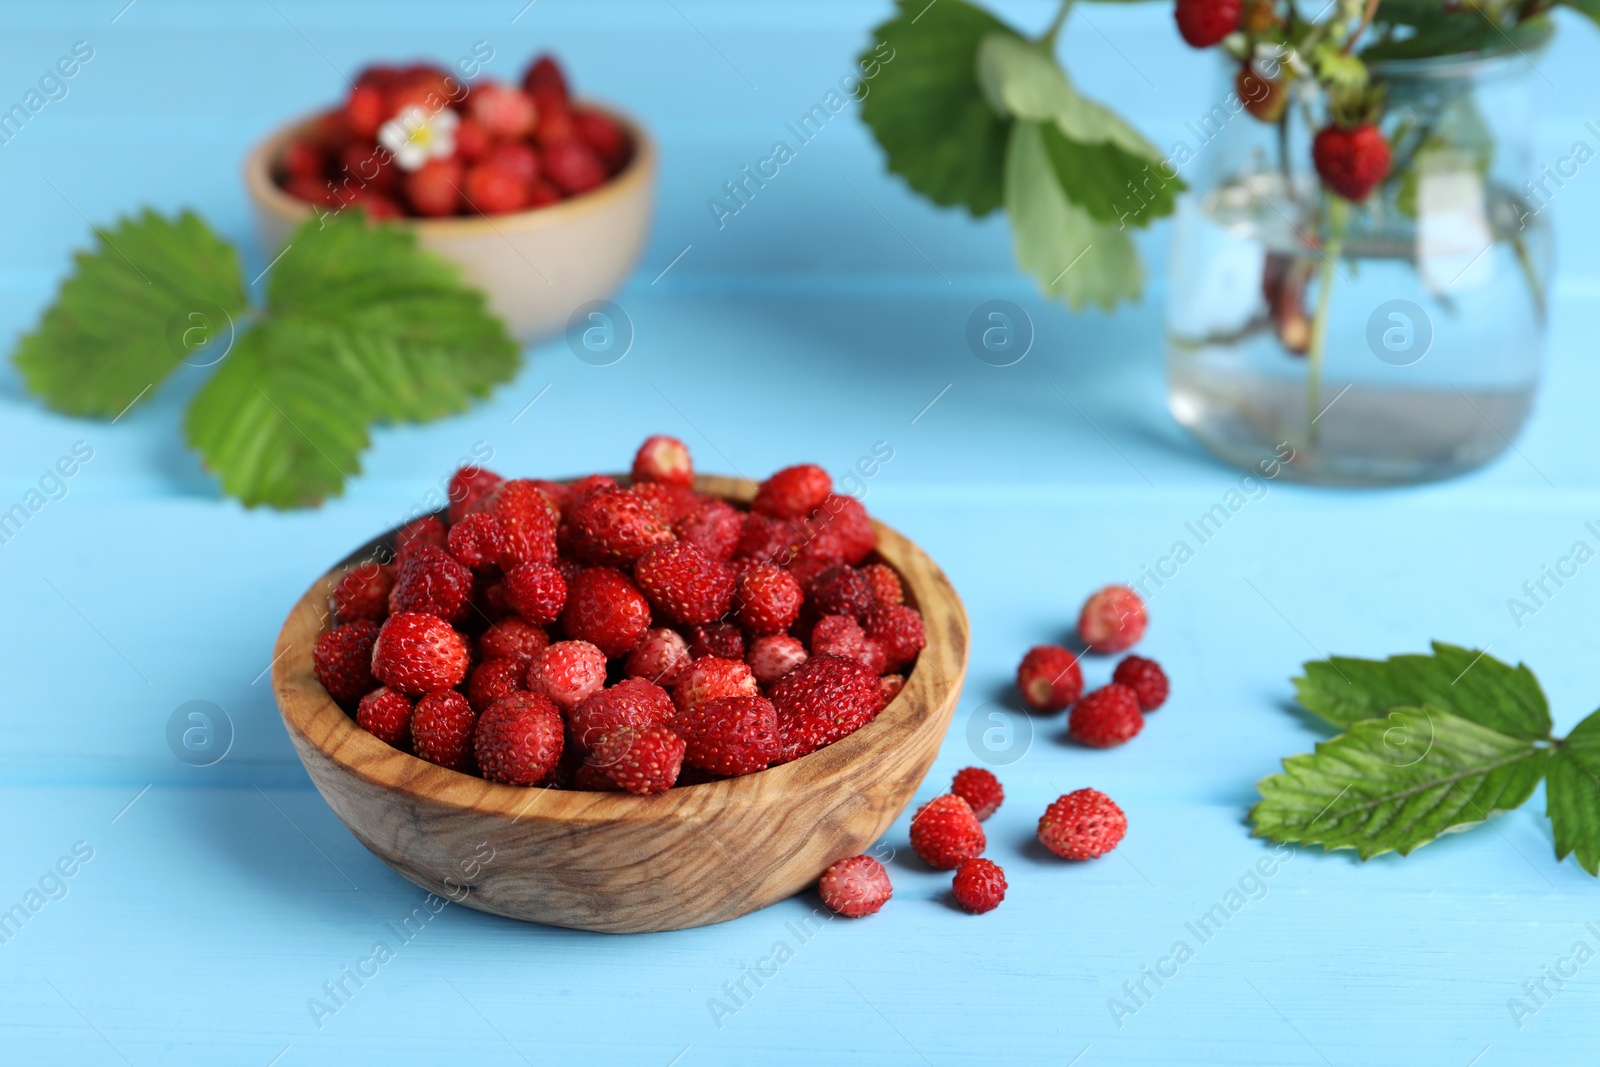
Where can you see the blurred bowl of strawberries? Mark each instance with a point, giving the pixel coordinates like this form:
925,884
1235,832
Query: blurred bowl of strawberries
543,199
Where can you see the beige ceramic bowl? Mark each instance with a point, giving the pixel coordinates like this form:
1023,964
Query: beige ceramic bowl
537,267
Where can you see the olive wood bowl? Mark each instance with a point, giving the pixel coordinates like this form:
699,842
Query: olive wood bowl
615,862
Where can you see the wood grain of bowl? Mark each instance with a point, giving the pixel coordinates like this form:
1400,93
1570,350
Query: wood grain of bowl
537,266
615,862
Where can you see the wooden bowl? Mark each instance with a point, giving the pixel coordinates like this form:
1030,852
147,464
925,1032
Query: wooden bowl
536,266
615,862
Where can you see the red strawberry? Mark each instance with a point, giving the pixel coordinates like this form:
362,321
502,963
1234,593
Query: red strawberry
840,531
364,166
1352,160
386,715
980,789
661,656
363,593
434,189
855,887
432,581
518,157
1082,825
478,541
1112,620
512,639
899,630
473,142
822,700
540,194
945,832
519,739
843,590
545,79
768,540
885,583
793,493
768,598
467,486
302,159
663,459
711,678
714,528
493,190
417,653
527,513
342,660
366,109
428,530
841,635
592,779
599,132
770,658
979,886
442,729
684,584
1049,678
1146,678
502,110
1204,23
632,702
615,527
1106,717
641,761
493,679
572,166
723,640
537,592
730,735
567,671
607,610
891,684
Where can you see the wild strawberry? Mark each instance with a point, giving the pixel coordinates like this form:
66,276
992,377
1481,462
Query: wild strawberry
519,739
442,728
553,125
573,167
1265,98
793,493
545,78
467,486
493,679
1352,160
722,640
767,540
840,531
434,189
770,658
364,166
979,886
891,684
822,700
607,610
427,530
944,832
417,653
524,509
1106,717
502,110
855,887
672,502
473,142
841,635
478,541
592,779
588,485
615,527
537,592
641,761
1112,620
1049,678
492,190
899,630
663,459
517,158
597,131
730,735
769,599
661,656
541,193
512,639
1146,678
711,678
1082,825
376,205
386,715
567,672
632,702
366,109
980,789
683,583
304,160
342,660
713,527
842,590
363,593
885,583
1204,23
432,581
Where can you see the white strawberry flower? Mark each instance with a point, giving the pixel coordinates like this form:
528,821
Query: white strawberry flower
417,135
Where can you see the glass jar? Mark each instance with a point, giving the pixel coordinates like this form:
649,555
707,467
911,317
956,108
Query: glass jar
1397,340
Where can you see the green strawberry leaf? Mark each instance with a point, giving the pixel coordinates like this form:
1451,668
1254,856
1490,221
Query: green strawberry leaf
1397,783
1098,177
1073,256
1472,685
1024,81
1572,795
154,292
925,106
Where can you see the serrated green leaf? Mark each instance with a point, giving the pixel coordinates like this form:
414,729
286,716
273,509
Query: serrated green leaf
1474,686
925,106
1073,257
148,296
1396,783
1109,183
1572,795
1024,79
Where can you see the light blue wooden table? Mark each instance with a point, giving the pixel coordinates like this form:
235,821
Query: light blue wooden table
210,908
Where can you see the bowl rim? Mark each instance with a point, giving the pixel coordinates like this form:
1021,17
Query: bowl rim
640,169
325,727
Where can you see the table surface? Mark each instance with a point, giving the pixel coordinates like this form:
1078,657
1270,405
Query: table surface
826,316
